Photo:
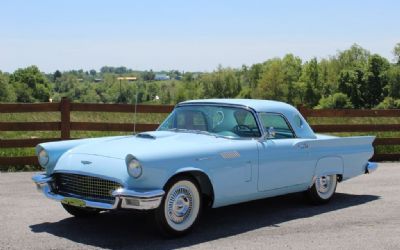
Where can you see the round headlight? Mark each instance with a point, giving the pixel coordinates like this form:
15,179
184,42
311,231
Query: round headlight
134,168
43,157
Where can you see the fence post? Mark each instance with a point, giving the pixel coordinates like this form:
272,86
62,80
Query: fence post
65,108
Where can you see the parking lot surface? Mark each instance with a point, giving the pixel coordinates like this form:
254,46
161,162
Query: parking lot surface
364,214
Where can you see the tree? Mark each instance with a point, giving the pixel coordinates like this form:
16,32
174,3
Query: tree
222,83
148,75
92,72
310,76
393,87
33,82
7,93
396,53
57,74
272,83
254,74
356,56
376,80
351,83
335,101
292,71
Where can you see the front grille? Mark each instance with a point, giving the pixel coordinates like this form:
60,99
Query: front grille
85,187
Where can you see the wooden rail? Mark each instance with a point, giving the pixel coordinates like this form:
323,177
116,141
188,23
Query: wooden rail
352,113
65,125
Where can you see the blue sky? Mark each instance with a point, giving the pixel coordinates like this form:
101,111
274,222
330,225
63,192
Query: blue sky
187,35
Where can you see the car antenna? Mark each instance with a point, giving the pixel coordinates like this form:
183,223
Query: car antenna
134,119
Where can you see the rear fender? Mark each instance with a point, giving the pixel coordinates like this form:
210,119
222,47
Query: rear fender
328,166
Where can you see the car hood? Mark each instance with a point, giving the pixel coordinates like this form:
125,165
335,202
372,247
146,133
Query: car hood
148,145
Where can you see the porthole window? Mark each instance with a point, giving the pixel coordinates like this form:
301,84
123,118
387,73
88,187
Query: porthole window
298,121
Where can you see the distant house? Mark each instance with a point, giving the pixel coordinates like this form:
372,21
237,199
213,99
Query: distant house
161,77
127,78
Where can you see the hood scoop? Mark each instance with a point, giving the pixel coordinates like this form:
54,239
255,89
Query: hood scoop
155,134
146,136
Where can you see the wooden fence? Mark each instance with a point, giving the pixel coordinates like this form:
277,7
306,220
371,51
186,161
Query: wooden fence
65,125
371,128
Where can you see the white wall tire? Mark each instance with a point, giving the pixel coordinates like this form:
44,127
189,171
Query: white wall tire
323,189
180,208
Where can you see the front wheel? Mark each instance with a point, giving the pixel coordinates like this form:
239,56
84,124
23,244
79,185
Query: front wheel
323,189
180,208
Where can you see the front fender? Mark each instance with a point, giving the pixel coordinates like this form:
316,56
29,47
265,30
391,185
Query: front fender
56,149
187,169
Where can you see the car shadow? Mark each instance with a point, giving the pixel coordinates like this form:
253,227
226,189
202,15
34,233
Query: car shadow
129,230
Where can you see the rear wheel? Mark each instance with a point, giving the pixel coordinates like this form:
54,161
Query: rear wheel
180,208
80,212
323,189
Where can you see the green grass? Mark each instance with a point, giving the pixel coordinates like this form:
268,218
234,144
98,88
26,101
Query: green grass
55,117
363,120
152,119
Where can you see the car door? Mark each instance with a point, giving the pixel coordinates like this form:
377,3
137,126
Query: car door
283,161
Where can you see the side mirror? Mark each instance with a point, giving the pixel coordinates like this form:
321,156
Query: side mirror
270,134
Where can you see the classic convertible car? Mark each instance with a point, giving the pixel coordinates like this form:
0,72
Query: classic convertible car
212,153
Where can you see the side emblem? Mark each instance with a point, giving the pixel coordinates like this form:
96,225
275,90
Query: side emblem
230,155
86,162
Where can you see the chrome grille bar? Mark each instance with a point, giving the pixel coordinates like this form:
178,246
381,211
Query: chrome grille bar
86,187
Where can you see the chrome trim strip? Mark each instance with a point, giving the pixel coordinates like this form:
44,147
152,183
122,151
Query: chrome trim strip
124,198
371,167
131,193
57,197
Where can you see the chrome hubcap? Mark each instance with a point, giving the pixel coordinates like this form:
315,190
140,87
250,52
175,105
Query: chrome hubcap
180,204
323,184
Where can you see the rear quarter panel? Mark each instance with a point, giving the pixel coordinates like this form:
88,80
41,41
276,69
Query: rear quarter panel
348,155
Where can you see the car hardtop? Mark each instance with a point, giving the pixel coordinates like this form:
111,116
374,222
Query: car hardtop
292,115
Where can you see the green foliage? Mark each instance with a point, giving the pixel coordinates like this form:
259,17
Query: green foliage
223,83
389,103
335,101
365,79
7,93
351,83
393,87
30,85
310,76
396,53
375,80
272,85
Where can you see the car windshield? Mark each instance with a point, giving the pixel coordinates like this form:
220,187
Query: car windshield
216,120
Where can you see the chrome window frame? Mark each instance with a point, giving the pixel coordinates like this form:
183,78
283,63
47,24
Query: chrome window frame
285,119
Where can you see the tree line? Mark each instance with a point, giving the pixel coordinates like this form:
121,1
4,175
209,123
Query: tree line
353,78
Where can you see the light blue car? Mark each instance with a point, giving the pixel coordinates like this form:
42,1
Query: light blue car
207,153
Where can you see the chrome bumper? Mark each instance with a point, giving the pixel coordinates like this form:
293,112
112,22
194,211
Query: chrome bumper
371,167
124,198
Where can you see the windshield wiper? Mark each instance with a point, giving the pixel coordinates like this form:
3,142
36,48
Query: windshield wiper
195,131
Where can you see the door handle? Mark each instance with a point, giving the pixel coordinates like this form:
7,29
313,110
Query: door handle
303,145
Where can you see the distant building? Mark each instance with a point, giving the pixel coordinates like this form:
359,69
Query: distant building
127,78
161,77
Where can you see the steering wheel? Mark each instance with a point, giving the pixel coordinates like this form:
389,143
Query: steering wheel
242,128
